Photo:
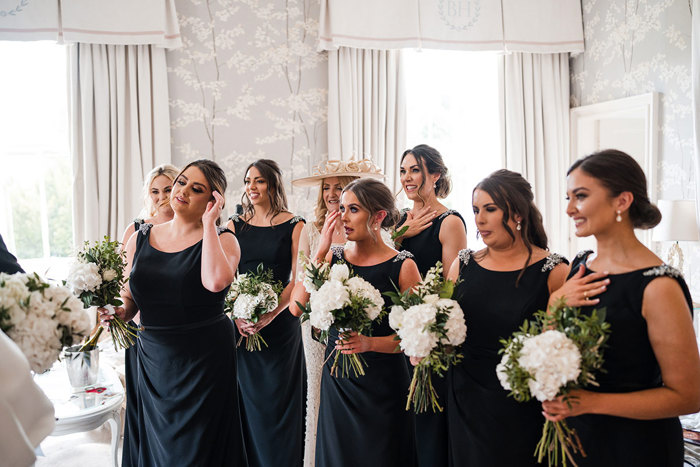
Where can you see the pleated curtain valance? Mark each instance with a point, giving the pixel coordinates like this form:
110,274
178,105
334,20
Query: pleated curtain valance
533,26
122,22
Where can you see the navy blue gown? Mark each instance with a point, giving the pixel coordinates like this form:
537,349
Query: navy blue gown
363,421
272,380
630,365
487,427
186,367
431,427
131,439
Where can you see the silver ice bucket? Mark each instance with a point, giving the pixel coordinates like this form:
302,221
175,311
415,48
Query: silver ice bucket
82,367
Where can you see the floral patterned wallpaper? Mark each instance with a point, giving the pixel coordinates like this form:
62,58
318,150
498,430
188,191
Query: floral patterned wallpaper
248,83
634,47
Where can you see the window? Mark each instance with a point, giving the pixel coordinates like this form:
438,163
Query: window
36,177
453,105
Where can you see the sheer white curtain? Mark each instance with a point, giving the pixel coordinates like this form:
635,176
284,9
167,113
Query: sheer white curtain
536,98
366,107
120,129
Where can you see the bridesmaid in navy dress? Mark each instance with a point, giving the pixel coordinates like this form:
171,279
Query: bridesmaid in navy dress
180,272
501,285
434,234
157,188
651,360
271,381
363,421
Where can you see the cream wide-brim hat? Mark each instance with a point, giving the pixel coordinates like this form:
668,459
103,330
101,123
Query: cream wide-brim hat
336,168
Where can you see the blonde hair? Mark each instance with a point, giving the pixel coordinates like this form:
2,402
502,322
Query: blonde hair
169,171
321,210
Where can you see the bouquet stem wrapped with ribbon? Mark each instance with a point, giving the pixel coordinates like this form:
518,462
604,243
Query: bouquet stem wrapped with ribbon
548,357
430,325
343,301
251,296
96,278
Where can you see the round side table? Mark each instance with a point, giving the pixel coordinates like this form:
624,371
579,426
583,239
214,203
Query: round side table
84,409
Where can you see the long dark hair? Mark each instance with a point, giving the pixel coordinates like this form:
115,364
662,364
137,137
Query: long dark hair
618,172
429,159
272,174
216,178
513,195
375,196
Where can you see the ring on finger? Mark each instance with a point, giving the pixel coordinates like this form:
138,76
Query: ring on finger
585,294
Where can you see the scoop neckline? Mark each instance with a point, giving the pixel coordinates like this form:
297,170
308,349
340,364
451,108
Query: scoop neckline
513,270
370,265
264,226
148,241
593,271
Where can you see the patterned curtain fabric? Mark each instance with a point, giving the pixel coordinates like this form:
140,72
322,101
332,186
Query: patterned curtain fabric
367,108
123,22
536,26
120,130
536,98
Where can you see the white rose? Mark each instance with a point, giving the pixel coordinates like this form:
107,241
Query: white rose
396,317
109,275
431,299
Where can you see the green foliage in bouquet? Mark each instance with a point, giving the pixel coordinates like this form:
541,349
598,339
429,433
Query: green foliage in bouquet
447,328
97,278
251,296
589,333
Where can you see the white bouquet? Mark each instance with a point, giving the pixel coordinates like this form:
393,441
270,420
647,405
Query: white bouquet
251,296
96,278
40,318
547,358
343,301
430,325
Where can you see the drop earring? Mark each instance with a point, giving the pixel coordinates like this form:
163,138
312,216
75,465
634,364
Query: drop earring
518,227
619,217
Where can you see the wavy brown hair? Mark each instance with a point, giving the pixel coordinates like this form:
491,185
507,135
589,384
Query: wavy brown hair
375,196
272,174
430,160
513,195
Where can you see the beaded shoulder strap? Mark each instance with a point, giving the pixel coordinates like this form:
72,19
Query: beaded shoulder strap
403,254
553,260
338,251
144,228
465,255
663,270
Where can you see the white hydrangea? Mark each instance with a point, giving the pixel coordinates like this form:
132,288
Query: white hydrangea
321,319
432,299
332,295
339,272
455,327
83,277
244,305
361,288
553,360
416,338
